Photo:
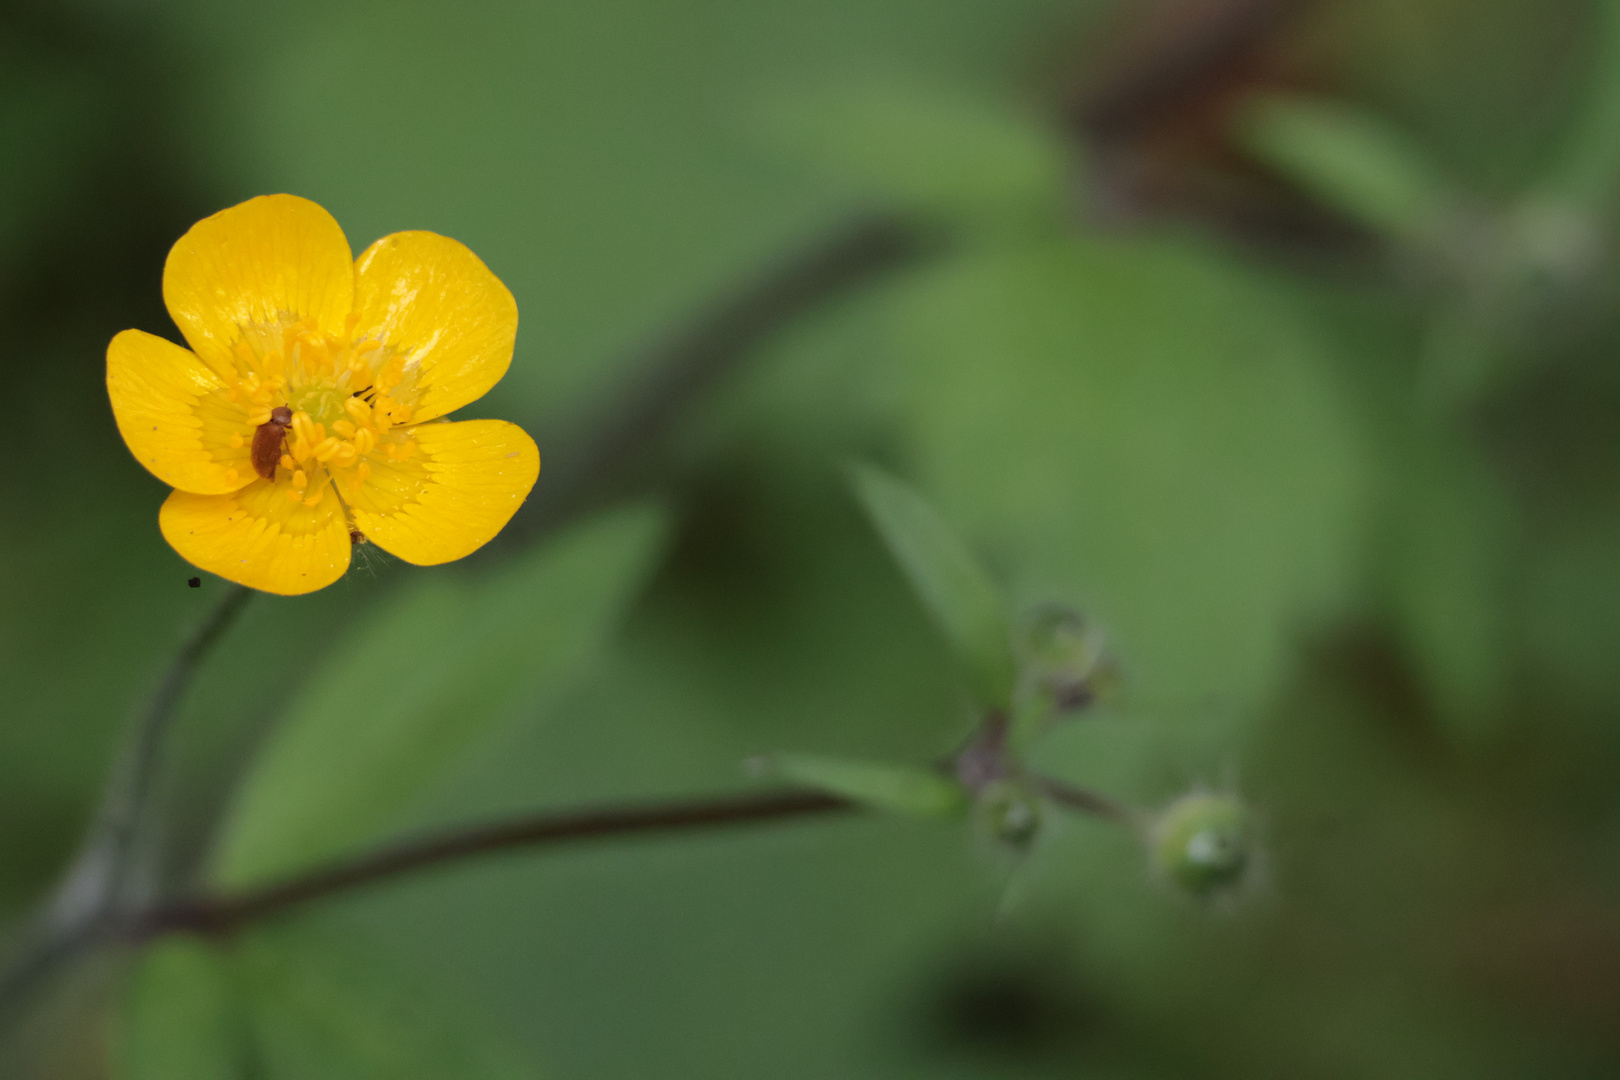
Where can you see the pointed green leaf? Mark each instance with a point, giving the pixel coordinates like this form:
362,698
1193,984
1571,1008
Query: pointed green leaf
180,1020
967,606
1587,172
894,788
420,681
1356,163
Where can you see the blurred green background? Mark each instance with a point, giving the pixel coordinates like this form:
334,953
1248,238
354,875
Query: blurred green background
1278,338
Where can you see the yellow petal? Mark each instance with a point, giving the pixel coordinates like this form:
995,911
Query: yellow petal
173,413
431,300
259,537
460,486
247,272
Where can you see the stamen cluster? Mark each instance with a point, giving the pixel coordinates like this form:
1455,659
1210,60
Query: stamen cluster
343,387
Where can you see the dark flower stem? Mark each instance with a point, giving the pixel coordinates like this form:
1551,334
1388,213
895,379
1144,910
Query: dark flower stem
229,912
99,880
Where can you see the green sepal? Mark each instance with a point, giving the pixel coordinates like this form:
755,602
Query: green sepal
966,605
897,789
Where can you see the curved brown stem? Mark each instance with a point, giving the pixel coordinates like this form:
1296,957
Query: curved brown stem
229,912
1084,800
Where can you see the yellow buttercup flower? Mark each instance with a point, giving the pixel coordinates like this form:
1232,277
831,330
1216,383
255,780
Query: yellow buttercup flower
308,412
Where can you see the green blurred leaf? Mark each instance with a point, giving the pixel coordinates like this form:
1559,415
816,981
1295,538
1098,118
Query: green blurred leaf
1356,163
1450,561
966,605
323,1009
894,788
933,150
1151,434
49,129
420,681
180,1020
1587,172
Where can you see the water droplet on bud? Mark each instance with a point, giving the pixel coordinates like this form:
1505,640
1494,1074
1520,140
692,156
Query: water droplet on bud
1010,812
1204,842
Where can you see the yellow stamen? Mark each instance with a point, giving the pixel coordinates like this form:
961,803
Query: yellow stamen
391,373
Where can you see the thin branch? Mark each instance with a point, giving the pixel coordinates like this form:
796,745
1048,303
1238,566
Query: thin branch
34,959
129,790
683,367
99,878
223,914
1084,800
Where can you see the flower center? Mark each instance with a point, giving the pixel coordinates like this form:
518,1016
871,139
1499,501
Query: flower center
342,397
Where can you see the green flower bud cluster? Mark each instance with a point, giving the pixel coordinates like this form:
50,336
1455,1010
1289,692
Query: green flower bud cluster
1023,675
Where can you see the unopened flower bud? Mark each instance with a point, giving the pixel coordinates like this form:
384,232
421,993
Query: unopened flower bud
1204,842
1010,812
1062,657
